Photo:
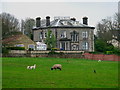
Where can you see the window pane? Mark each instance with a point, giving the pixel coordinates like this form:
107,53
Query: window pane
31,46
20,45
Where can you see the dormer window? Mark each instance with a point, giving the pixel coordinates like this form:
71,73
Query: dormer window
64,22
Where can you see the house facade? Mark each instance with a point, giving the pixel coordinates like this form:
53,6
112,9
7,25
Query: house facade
70,34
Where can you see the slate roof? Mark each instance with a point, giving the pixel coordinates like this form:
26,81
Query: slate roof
63,23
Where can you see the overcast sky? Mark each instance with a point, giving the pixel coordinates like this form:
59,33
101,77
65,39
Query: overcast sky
95,11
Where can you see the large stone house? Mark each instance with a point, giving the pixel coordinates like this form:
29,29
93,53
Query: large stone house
69,33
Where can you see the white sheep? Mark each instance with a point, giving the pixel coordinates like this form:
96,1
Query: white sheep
99,60
28,67
31,67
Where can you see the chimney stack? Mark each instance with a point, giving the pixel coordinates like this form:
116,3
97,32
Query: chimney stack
85,20
73,19
38,22
47,21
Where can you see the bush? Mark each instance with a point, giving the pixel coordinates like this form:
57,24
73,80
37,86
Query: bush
15,48
53,52
55,49
102,46
109,47
5,50
116,51
109,52
30,49
95,52
48,48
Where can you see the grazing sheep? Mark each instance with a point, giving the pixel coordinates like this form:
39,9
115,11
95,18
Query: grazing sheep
31,67
56,66
28,67
99,60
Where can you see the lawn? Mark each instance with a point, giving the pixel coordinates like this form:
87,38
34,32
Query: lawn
75,73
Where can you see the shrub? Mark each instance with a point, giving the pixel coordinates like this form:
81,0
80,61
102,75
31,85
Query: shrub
55,49
109,52
48,48
53,52
15,48
5,50
116,51
96,52
30,49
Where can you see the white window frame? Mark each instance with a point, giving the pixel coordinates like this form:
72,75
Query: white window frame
85,45
63,34
40,35
85,34
45,34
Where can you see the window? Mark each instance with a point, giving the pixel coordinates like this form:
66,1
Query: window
74,36
85,34
85,45
45,34
40,35
63,34
31,46
64,22
19,45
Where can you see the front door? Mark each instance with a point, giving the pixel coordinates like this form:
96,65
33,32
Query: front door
74,47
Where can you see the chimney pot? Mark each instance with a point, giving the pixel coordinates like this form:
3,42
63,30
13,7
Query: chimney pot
73,19
85,20
38,22
47,20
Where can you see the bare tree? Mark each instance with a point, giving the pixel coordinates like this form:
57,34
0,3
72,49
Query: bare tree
108,29
29,23
9,24
104,29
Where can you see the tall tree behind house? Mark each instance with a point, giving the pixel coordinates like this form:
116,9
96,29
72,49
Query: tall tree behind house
28,25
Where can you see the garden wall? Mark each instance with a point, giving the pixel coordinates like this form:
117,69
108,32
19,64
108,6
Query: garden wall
101,57
61,54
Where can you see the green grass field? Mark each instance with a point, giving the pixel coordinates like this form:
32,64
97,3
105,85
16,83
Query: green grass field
76,73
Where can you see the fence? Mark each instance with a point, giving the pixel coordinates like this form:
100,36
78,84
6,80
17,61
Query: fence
101,57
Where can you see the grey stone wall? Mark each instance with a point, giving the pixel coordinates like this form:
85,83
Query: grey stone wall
58,31
59,54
